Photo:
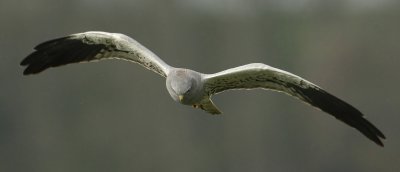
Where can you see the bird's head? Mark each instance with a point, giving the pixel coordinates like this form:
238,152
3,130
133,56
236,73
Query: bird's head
182,85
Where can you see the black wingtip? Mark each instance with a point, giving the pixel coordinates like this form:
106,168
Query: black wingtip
340,110
348,114
38,55
35,63
380,143
31,71
58,52
23,62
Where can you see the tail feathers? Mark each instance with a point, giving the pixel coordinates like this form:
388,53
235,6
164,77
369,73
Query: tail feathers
210,107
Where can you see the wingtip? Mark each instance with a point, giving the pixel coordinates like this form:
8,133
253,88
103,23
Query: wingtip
379,143
28,71
33,68
381,139
24,62
342,111
381,135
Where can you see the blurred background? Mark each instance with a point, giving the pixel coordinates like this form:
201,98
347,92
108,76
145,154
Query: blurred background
117,116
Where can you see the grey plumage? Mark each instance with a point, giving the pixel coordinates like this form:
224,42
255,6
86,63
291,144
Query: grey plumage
190,87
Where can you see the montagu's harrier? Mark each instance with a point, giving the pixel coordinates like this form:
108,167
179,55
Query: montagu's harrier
190,87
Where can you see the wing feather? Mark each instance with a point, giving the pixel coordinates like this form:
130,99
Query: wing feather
263,76
91,46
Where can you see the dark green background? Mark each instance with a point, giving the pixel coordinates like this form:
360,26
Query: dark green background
117,116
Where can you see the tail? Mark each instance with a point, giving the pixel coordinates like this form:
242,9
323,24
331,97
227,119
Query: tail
210,107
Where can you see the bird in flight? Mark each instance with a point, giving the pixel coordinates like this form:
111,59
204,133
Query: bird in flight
189,87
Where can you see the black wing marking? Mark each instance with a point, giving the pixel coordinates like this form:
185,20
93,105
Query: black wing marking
262,76
91,46
59,52
341,110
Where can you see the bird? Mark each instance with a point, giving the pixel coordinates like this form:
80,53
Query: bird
189,87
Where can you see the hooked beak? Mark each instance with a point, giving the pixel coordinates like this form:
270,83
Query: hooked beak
180,98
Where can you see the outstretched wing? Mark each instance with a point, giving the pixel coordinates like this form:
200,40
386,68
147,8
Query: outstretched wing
91,46
263,76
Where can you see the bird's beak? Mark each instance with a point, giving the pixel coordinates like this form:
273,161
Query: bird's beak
180,98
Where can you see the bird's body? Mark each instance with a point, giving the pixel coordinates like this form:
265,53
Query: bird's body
190,87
